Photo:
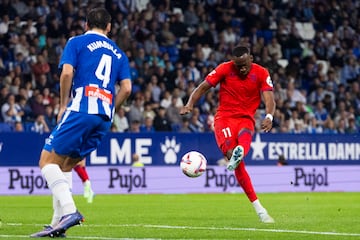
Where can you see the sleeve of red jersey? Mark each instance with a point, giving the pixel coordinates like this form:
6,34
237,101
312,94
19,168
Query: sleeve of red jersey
215,76
266,82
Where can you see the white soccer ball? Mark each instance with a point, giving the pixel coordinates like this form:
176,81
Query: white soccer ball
193,164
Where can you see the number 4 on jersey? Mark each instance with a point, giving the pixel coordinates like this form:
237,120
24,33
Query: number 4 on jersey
104,69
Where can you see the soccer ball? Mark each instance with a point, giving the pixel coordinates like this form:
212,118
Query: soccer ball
193,164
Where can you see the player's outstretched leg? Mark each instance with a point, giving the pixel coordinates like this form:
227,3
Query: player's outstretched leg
236,157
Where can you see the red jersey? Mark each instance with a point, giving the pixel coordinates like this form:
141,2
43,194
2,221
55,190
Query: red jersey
239,97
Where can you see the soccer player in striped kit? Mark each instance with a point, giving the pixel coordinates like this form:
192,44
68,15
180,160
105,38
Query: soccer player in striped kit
91,66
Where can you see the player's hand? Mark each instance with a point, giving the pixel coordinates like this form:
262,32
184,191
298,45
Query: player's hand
185,110
60,114
266,125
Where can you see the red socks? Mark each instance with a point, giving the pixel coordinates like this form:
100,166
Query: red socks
245,182
81,171
244,139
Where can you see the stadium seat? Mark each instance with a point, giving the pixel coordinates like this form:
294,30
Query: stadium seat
175,127
309,30
27,126
162,49
268,35
236,23
177,10
173,52
283,62
6,127
325,64
306,30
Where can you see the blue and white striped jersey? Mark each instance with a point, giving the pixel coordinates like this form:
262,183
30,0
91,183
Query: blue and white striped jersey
98,64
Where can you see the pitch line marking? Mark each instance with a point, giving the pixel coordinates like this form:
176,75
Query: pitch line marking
83,237
238,229
207,228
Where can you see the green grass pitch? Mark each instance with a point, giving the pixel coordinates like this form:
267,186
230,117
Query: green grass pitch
320,216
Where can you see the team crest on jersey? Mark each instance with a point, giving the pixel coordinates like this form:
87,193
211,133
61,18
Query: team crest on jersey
252,77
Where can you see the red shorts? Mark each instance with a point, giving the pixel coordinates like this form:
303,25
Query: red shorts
227,131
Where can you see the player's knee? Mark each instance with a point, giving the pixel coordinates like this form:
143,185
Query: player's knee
45,158
229,153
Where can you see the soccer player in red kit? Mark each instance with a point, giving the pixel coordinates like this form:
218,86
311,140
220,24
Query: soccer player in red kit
243,84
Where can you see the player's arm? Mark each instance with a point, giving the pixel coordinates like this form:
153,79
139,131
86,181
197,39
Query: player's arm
123,94
270,106
66,77
195,96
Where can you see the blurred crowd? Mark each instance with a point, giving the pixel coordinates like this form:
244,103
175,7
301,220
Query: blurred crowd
310,47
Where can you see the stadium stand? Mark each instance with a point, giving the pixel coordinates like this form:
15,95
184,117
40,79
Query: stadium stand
319,48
